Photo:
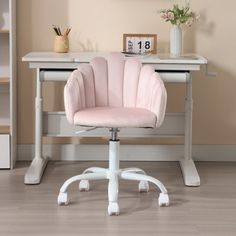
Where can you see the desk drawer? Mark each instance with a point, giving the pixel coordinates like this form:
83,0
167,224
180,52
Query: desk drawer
63,75
174,77
4,151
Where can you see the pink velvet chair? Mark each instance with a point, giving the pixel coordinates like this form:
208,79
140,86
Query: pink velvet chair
115,93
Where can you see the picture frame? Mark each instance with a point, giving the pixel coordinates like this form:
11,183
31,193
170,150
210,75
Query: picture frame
140,43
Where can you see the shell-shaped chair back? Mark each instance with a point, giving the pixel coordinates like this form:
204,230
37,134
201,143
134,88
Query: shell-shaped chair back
118,82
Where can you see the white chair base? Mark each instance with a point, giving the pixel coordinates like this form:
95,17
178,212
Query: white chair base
113,174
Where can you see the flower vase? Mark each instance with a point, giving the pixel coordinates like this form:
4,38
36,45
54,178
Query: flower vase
175,41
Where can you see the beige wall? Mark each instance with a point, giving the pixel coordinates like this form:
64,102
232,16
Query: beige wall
98,25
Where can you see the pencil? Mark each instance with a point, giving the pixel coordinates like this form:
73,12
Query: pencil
56,30
68,31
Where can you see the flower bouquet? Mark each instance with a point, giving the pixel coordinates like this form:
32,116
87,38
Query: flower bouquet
178,16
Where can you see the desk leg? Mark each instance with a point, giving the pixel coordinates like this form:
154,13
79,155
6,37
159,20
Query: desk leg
36,169
190,174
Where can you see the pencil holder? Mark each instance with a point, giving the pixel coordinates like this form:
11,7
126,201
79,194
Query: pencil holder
61,44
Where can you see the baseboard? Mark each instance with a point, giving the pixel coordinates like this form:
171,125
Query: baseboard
130,152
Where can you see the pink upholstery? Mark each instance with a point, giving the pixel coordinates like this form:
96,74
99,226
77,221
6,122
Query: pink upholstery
73,95
131,81
99,66
115,93
116,63
89,90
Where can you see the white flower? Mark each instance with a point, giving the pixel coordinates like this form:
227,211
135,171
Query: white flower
170,15
164,16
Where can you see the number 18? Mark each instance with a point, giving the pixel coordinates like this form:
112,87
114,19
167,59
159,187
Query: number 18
147,44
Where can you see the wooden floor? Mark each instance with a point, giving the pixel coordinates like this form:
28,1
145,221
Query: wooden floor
206,210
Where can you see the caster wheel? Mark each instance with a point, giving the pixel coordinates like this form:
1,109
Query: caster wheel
163,200
84,185
62,199
143,186
113,209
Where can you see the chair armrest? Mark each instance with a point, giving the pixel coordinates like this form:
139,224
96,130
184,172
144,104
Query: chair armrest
74,95
158,100
152,95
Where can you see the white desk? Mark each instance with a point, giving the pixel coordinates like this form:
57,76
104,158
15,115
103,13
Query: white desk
57,67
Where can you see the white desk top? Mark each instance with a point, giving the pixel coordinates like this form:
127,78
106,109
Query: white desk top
83,57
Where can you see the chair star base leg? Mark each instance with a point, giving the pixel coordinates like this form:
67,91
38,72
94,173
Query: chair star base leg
113,174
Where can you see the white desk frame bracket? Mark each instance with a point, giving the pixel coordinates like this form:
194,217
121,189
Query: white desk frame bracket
54,67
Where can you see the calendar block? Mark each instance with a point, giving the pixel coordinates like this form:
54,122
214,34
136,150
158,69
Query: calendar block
139,43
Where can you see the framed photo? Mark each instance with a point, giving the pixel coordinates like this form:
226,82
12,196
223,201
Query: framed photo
140,43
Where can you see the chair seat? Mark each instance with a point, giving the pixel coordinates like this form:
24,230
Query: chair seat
115,117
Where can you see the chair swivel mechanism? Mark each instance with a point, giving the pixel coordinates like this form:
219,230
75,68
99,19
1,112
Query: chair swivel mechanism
114,93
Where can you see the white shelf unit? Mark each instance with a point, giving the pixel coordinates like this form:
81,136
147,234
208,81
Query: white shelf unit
7,84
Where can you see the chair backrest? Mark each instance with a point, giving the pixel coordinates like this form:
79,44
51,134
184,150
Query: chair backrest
113,81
